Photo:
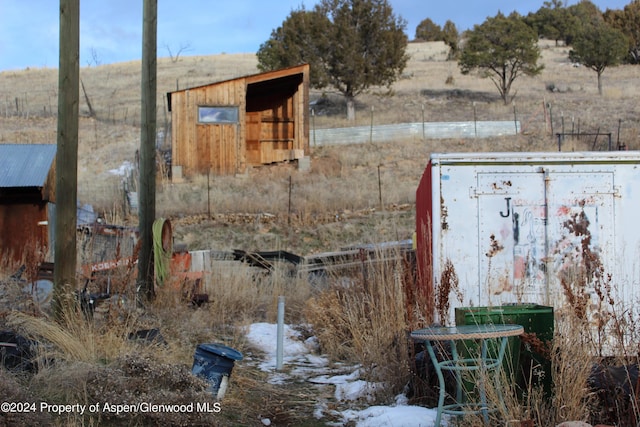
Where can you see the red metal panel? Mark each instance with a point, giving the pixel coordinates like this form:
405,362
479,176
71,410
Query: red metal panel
21,232
424,294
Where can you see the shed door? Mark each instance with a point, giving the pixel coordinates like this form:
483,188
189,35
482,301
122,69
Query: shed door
581,233
511,243
523,255
217,148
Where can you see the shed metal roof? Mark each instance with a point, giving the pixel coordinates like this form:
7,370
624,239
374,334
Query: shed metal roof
25,165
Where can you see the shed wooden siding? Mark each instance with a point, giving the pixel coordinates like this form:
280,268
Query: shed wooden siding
272,123
192,146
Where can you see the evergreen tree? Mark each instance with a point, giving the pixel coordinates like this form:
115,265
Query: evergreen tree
302,39
350,45
552,21
581,14
628,22
451,37
428,31
598,46
501,48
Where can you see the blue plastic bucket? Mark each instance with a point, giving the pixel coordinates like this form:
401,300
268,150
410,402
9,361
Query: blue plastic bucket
214,363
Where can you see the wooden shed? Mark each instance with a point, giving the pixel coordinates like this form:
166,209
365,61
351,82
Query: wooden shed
226,127
27,197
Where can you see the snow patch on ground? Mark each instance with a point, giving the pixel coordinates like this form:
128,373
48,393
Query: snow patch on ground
348,386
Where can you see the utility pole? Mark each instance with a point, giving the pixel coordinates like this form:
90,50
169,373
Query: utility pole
147,193
67,158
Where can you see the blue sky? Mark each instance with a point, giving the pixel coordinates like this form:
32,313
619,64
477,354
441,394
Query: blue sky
111,30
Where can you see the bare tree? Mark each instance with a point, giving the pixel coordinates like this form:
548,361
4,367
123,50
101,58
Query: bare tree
184,47
95,59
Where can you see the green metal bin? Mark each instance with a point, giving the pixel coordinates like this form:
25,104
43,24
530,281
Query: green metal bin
531,365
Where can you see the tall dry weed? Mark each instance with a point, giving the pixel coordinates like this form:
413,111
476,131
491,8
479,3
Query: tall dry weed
570,398
76,337
361,318
601,332
572,363
240,292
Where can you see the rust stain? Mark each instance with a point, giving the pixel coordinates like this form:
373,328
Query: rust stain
501,185
582,266
504,285
494,246
448,283
443,214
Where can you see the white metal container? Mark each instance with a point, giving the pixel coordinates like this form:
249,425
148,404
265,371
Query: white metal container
531,228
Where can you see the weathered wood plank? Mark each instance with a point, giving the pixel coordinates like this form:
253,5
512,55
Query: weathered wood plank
270,108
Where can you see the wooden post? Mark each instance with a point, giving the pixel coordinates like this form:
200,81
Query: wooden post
371,128
475,120
423,134
313,125
64,276
618,138
380,190
92,113
147,193
289,207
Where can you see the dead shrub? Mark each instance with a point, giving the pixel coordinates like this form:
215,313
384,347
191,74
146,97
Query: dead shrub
361,318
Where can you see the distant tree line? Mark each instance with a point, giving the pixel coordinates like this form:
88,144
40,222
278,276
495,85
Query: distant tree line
353,45
504,47
559,22
429,31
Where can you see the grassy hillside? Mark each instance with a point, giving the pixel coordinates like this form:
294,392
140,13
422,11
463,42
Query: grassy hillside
338,201
352,194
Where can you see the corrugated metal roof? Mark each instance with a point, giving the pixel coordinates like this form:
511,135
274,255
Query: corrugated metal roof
25,165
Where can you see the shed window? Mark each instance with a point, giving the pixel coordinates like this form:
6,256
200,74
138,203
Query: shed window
218,114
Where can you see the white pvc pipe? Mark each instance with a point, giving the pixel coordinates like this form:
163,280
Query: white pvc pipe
280,337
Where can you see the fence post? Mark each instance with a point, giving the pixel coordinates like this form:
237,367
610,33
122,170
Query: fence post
371,129
380,189
313,125
475,119
280,334
289,207
423,134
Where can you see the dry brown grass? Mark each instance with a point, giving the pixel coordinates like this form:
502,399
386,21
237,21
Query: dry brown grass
361,317
334,204
593,356
343,177
88,361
